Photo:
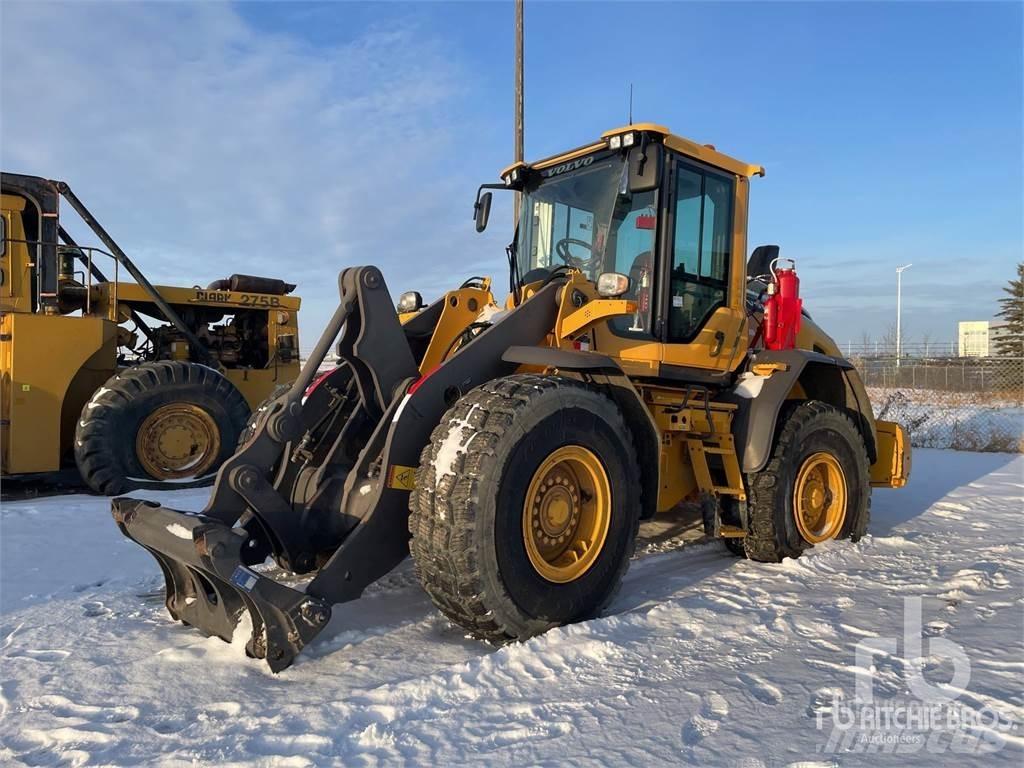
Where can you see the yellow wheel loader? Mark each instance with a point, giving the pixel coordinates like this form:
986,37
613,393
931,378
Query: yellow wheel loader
131,382
514,449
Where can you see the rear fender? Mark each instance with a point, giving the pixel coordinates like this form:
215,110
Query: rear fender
822,377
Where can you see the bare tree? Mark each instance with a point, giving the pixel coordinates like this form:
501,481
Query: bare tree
889,339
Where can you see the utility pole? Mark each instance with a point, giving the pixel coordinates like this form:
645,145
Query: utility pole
519,102
899,307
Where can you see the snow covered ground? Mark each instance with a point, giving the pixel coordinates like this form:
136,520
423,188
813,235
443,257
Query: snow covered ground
703,658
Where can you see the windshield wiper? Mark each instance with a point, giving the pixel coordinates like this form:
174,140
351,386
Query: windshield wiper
515,279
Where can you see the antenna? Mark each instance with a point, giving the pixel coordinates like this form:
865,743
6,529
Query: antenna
630,104
518,91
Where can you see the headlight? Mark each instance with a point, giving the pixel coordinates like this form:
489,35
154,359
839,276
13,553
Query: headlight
622,141
612,284
513,177
410,301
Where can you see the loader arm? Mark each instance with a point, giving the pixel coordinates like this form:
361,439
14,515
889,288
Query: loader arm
323,485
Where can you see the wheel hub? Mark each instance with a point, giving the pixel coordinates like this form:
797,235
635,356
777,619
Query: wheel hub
556,506
819,498
177,440
566,514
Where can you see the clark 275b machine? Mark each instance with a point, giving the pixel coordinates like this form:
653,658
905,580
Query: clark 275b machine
134,383
636,364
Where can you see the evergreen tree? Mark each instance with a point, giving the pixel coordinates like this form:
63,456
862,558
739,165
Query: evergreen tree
1011,344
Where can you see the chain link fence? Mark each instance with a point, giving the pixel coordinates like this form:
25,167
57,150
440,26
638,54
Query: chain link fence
967,404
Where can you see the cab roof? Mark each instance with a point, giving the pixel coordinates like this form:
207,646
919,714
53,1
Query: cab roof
706,153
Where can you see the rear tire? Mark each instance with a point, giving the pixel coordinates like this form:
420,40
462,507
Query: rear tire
161,420
811,434
479,549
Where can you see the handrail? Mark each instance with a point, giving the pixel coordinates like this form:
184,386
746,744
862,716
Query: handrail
84,254
98,273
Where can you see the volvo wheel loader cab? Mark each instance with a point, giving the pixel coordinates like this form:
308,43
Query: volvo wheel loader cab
514,448
131,382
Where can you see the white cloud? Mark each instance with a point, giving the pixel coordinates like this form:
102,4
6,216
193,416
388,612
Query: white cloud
207,147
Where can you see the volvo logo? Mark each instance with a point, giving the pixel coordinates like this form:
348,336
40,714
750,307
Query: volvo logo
572,165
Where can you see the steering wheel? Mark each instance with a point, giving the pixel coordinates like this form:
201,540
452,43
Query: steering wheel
562,251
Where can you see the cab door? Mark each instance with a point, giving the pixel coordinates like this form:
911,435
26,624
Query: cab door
703,316
15,259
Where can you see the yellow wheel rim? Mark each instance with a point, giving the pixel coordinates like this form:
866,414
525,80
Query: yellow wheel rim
566,514
819,498
177,440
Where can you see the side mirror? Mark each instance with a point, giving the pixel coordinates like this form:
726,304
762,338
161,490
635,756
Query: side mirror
645,167
611,284
482,211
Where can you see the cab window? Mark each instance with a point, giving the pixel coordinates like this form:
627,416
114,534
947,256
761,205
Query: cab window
698,283
633,239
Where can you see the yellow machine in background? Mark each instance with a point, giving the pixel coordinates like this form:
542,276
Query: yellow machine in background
131,381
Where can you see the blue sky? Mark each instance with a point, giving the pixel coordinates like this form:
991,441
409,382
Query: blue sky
294,139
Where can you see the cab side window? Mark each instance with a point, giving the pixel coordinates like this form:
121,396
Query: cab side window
698,284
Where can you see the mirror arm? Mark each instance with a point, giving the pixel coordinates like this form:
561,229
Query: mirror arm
482,187
478,204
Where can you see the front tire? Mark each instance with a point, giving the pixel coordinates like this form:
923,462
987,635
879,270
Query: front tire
526,507
815,486
165,420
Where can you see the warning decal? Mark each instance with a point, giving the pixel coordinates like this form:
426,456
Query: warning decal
402,478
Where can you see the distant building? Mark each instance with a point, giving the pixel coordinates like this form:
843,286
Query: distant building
977,338
997,331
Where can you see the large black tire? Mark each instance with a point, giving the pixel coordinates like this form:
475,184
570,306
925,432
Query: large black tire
105,438
467,510
805,429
